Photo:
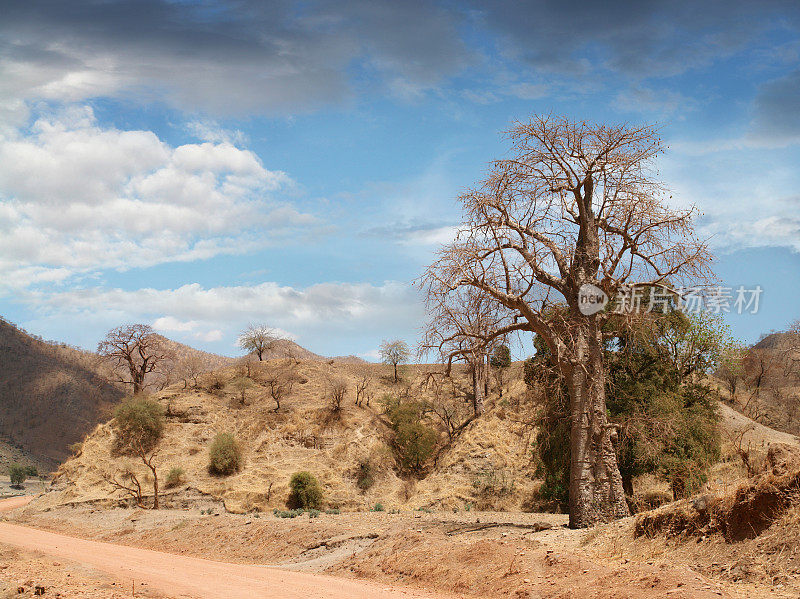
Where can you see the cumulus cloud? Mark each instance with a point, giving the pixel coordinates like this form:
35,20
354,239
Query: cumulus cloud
76,197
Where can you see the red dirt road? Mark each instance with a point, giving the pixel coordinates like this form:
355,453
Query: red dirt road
182,576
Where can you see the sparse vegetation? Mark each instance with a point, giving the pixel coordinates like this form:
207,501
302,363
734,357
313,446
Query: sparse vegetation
224,455
175,477
378,507
305,491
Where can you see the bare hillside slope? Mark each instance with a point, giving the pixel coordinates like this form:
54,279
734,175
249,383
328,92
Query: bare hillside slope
50,394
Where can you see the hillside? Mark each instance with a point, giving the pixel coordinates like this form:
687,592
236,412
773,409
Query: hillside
50,395
769,386
488,465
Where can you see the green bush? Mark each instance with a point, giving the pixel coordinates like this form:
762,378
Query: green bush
287,514
18,474
378,508
224,455
414,441
175,477
333,511
306,491
139,425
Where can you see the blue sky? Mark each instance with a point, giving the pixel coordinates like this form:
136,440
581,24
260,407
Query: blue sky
201,165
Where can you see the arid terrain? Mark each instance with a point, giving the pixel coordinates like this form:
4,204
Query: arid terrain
462,528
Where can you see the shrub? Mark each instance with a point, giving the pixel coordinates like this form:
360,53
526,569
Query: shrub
139,424
287,514
333,512
31,471
414,442
224,455
313,513
17,474
306,491
378,508
365,477
175,477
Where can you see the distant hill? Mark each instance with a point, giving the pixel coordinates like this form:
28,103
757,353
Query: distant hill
769,391
51,395
284,348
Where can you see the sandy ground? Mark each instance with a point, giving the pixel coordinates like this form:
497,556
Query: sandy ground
465,554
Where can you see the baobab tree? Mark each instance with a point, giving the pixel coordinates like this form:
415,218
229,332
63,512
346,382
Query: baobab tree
135,351
574,205
258,339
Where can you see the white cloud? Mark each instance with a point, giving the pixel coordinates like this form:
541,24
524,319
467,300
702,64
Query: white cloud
210,130
333,312
170,323
76,197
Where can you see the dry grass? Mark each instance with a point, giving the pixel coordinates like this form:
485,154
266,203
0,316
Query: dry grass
305,435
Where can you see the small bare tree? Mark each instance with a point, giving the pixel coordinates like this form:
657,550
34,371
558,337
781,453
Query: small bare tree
138,425
258,339
280,381
394,353
135,351
460,328
191,368
363,389
337,389
573,212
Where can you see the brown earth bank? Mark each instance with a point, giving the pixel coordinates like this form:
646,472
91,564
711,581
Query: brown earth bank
467,554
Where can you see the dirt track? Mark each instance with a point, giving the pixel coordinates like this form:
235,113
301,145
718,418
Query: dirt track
182,576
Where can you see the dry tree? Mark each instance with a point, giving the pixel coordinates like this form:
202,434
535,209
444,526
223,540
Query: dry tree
574,211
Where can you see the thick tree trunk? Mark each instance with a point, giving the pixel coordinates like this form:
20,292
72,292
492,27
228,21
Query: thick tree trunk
595,490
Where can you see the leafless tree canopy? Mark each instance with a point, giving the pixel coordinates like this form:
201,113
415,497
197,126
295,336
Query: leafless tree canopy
461,327
135,351
258,339
573,204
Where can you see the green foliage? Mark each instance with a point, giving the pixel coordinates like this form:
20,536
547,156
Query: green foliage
365,476
174,477
31,471
224,455
501,357
333,511
313,513
138,424
414,441
378,507
305,491
666,418
18,474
